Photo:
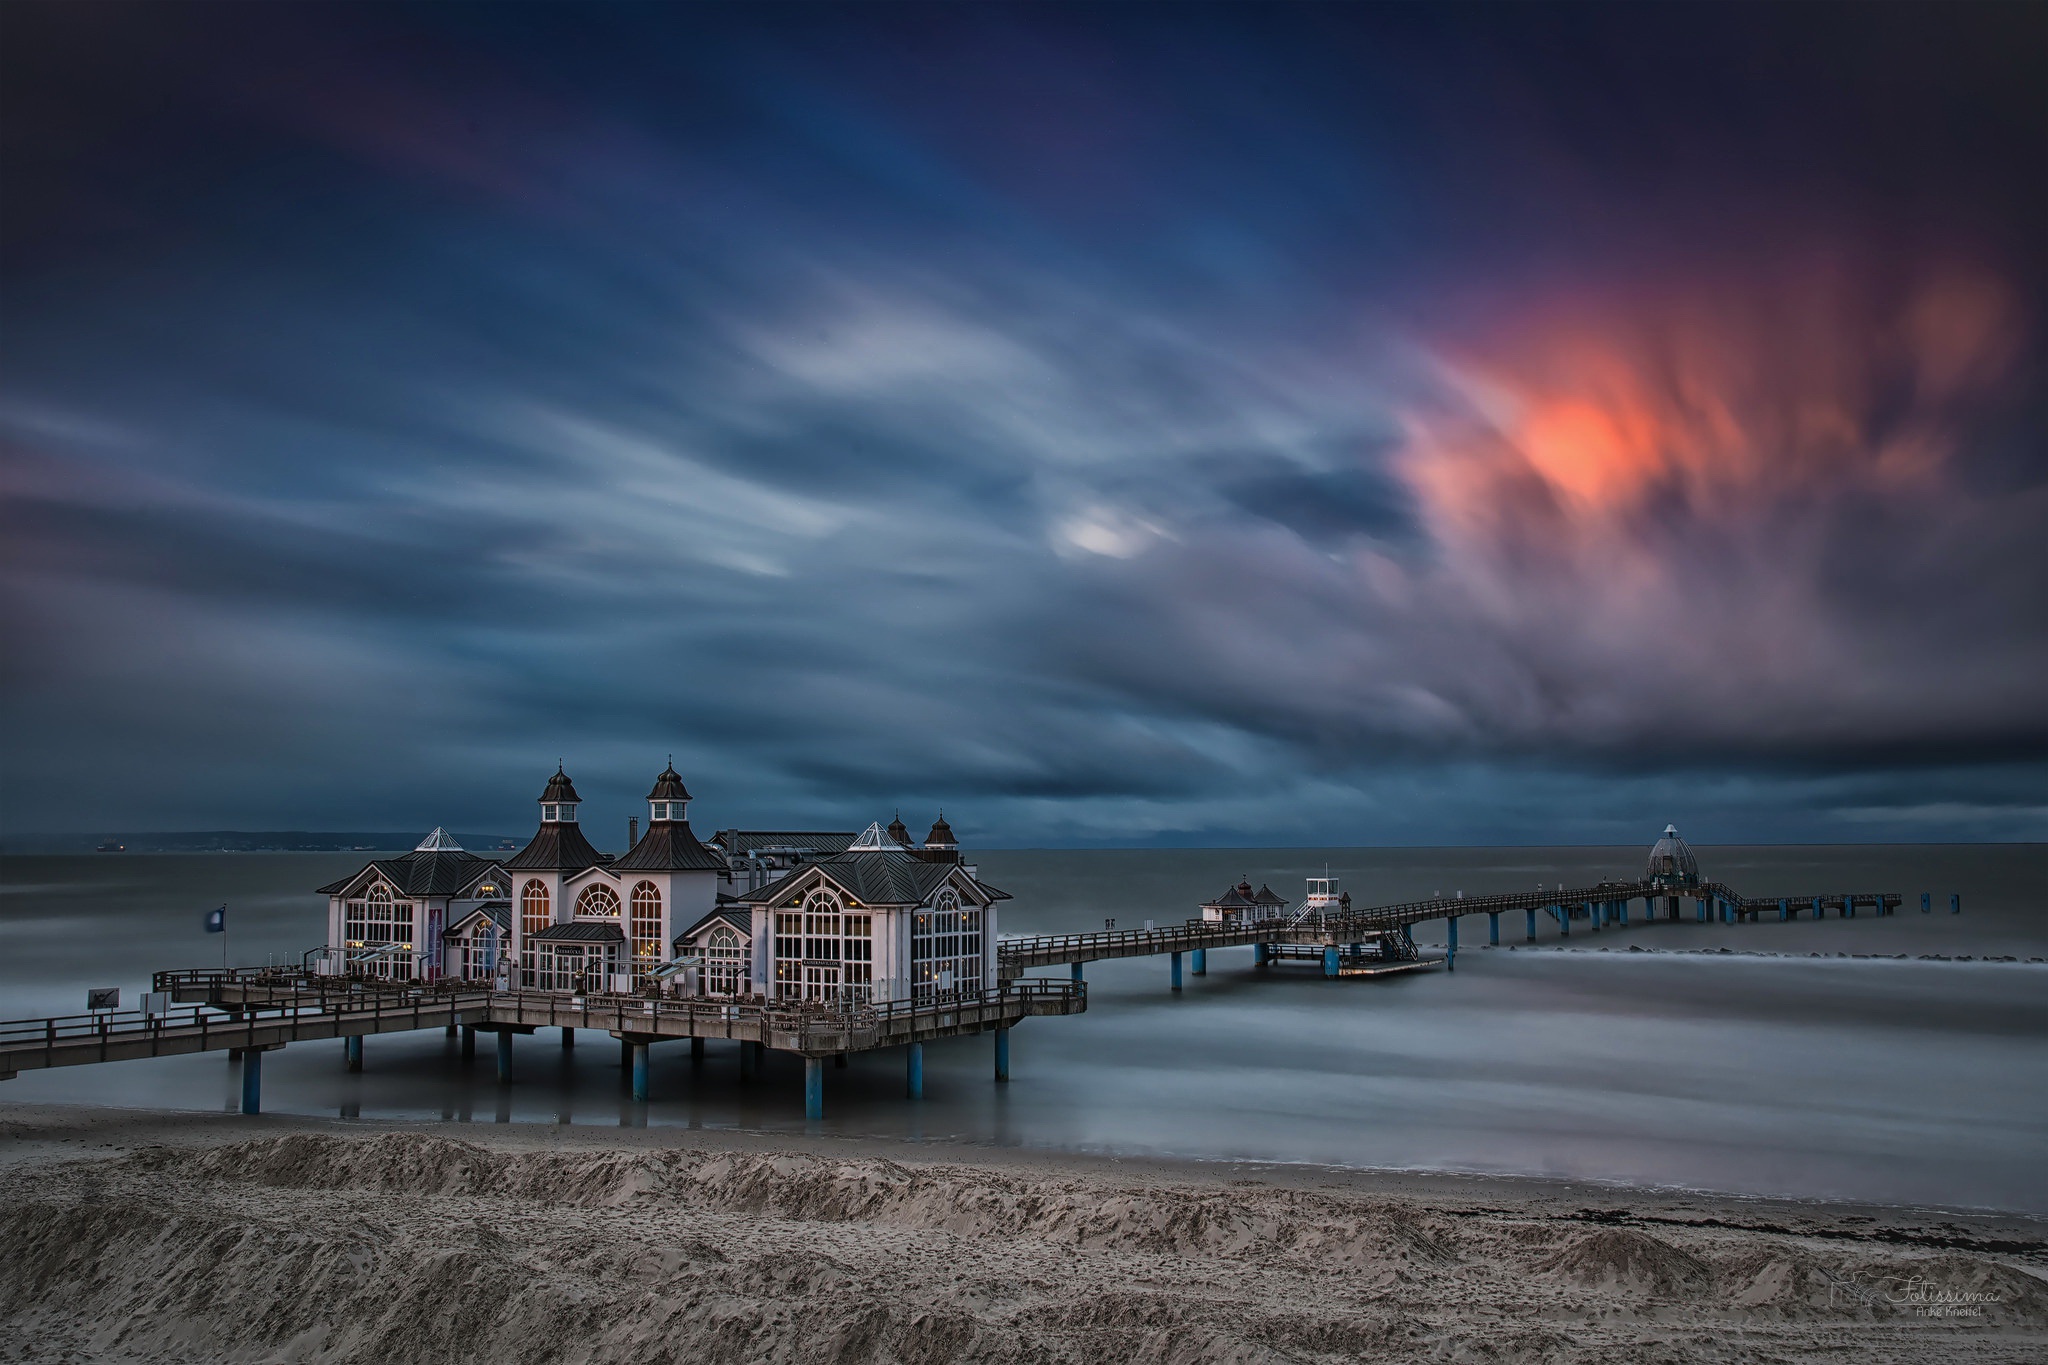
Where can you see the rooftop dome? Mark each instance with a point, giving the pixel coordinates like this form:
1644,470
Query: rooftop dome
667,787
899,831
941,835
560,788
1671,862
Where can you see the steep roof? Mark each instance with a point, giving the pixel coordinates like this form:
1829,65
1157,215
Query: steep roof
497,912
560,788
1267,896
422,872
556,848
881,877
1233,899
668,846
669,786
738,917
941,835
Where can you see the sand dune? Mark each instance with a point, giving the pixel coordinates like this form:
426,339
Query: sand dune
136,1237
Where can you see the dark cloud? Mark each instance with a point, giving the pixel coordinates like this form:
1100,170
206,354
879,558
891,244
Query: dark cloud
1311,424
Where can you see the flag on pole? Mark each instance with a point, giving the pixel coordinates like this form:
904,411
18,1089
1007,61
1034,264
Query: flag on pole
217,921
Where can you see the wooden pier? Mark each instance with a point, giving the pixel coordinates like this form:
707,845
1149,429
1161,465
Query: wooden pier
249,1011
1600,905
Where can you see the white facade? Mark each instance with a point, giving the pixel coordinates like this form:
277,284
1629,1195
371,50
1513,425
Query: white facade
877,921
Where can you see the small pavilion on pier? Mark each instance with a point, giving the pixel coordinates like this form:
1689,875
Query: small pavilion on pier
1241,905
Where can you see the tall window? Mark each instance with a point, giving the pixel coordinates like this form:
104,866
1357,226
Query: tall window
533,908
646,929
857,957
376,920
789,953
945,949
824,951
725,962
480,951
598,901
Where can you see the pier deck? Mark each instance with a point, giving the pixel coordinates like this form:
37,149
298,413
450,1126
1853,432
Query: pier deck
1018,954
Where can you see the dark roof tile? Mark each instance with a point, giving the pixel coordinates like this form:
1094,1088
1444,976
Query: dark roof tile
669,846
555,848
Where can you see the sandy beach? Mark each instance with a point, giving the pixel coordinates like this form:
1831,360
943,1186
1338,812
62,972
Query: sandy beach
142,1236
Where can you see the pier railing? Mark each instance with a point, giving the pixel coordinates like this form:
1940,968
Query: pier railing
1021,952
120,1035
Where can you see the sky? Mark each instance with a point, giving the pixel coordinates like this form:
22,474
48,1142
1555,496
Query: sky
1111,425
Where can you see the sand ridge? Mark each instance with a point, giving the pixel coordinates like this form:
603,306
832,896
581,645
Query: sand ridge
127,1238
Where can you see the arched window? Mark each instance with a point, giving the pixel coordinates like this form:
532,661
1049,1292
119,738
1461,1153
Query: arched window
646,928
945,949
533,908
598,901
725,962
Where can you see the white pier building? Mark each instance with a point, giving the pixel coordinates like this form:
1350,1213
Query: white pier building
754,915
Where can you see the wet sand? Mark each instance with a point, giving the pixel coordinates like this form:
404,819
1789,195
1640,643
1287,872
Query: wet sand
178,1237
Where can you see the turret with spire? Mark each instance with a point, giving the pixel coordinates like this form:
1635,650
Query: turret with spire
558,845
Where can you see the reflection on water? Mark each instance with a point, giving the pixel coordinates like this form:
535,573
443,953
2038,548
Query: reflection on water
1897,1081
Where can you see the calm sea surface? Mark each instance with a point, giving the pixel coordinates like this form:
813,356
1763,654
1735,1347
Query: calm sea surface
1901,1082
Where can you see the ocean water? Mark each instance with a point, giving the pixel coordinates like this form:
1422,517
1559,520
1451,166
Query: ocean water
1761,1071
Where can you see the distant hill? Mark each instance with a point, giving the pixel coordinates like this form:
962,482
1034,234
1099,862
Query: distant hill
243,841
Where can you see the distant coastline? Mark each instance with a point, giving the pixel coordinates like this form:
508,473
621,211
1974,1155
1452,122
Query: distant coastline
235,841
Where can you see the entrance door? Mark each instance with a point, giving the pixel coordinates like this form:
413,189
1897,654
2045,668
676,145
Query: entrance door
821,981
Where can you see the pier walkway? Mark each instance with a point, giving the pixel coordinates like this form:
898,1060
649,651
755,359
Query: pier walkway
1601,904
249,1011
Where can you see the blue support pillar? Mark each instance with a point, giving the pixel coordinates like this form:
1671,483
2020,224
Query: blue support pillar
504,1056
1493,927
913,1071
814,1088
1002,1054
1564,921
640,1072
1784,911
1955,902
353,1050
1451,940
1532,924
1330,960
1260,954
1176,971
1077,971
1200,964
1848,906
1926,900
1593,913
252,1080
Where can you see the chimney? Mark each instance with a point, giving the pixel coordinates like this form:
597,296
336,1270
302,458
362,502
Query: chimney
632,830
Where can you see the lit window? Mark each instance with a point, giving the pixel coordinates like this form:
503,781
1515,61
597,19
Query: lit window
646,928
